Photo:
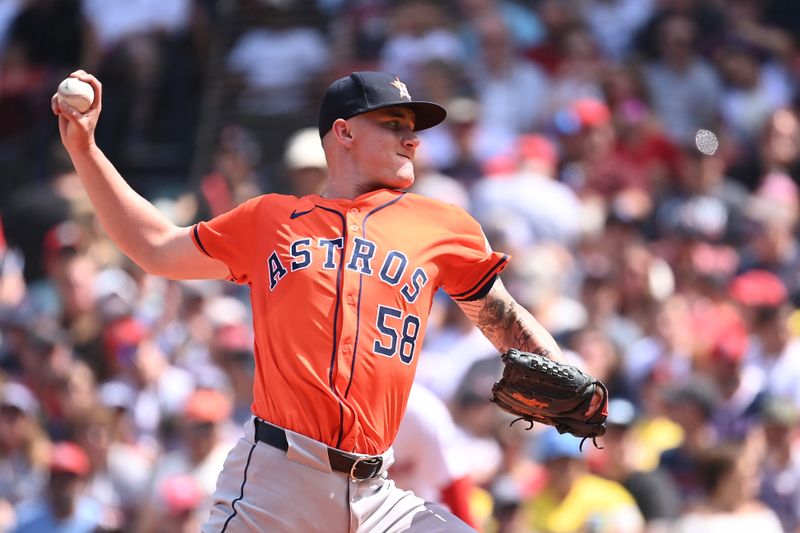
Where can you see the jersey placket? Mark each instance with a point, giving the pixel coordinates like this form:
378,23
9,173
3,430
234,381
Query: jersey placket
349,332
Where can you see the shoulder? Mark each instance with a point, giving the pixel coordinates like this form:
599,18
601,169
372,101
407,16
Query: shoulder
271,203
438,210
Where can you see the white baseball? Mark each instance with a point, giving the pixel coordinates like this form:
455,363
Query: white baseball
76,93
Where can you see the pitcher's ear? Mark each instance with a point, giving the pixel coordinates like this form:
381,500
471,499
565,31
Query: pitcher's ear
341,130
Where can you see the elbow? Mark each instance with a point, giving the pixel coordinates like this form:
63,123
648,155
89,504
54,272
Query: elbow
153,264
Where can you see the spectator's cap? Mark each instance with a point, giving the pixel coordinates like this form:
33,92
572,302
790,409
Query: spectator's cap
463,110
758,288
551,445
121,339
361,92
117,395
581,114
476,385
780,412
699,392
44,334
180,493
500,165
116,293
69,458
18,396
537,147
224,310
233,338
731,344
591,112
207,405
621,412
63,237
304,150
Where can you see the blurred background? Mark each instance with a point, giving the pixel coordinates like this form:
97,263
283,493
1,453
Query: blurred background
671,274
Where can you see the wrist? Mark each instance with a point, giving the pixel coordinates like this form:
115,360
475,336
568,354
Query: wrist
88,150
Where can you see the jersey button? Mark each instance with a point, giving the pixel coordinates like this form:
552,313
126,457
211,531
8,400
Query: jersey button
346,348
354,210
354,227
350,299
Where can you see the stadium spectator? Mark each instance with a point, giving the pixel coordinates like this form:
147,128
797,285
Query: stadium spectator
574,500
729,480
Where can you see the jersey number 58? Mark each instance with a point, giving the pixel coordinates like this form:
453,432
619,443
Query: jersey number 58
399,334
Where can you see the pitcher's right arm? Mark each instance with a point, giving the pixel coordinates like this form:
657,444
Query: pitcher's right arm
136,226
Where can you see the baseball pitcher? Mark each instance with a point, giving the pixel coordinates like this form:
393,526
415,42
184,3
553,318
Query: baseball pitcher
341,287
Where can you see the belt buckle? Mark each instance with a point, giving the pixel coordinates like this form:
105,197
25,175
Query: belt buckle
363,459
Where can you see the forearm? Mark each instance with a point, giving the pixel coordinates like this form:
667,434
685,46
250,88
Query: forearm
509,325
135,225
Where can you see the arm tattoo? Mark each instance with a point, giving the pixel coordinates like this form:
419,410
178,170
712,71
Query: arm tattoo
509,325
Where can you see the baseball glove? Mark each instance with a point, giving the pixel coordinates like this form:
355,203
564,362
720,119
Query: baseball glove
538,389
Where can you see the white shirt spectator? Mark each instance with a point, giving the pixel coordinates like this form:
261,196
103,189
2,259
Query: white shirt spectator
615,22
447,357
114,20
276,66
405,54
650,352
745,111
686,100
516,102
427,454
544,209
762,520
781,372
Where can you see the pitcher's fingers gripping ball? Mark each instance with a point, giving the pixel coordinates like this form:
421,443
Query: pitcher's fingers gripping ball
538,389
76,93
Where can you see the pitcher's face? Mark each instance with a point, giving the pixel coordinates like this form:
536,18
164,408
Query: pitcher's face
384,146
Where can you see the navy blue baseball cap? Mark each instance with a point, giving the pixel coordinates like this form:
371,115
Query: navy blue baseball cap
365,91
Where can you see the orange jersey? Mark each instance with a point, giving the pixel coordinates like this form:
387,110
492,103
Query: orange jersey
341,291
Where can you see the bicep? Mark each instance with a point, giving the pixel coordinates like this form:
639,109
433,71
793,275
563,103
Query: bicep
178,257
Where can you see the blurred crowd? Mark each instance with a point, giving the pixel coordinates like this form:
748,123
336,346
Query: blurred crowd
670,273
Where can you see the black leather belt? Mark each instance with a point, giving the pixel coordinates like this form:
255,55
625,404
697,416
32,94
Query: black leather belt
357,467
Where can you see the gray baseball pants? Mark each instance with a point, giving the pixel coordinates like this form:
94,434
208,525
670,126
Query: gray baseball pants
263,488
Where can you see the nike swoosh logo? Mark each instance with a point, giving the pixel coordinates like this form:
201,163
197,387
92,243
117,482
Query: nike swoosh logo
296,214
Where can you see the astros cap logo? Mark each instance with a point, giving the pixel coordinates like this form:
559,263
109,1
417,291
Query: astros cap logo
402,88
365,91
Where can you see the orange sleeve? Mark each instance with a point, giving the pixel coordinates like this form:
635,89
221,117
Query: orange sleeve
467,263
230,238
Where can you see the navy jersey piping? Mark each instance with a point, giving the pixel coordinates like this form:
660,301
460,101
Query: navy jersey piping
482,281
241,490
483,291
336,321
198,241
360,285
196,236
